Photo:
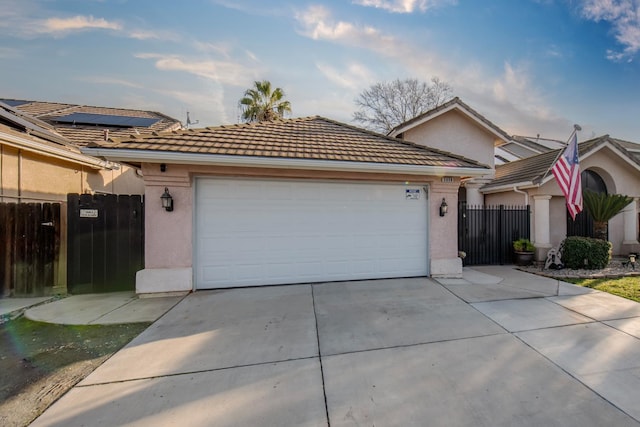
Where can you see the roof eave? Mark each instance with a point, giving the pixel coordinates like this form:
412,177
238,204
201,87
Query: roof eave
436,113
153,156
508,187
55,152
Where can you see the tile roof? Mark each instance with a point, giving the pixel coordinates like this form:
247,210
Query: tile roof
455,101
82,135
534,169
312,138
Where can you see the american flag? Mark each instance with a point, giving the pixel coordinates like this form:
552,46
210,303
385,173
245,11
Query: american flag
567,173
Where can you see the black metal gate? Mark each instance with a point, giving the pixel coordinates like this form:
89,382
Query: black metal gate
105,242
486,233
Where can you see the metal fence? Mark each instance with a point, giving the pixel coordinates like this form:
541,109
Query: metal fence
486,233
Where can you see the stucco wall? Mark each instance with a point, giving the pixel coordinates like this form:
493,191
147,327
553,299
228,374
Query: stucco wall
455,133
29,176
620,178
169,235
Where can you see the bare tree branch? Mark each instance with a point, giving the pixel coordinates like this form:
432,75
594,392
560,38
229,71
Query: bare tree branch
385,105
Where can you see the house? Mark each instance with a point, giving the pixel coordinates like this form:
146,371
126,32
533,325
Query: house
606,166
292,201
41,162
32,174
521,172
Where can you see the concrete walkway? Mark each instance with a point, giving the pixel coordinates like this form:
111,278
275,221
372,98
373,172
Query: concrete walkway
497,348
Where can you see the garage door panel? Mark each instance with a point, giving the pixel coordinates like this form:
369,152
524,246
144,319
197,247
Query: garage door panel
275,232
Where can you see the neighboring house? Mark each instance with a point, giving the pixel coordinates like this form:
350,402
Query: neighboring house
606,166
293,201
83,124
41,161
522,172
458,128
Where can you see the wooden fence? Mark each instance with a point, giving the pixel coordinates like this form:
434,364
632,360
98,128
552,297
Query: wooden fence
105,237
29,248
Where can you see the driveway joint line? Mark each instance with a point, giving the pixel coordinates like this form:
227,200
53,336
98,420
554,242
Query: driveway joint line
200,371
575,377
324,389
414,344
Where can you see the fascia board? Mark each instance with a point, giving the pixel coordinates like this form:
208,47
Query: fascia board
508,187
446,110
58,153
213,159
615,150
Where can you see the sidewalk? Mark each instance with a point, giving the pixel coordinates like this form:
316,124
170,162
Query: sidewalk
90,309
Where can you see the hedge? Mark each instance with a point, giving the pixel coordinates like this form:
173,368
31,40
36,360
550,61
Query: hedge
585,252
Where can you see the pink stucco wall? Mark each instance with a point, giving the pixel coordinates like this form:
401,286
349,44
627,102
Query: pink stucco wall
443,231
168,234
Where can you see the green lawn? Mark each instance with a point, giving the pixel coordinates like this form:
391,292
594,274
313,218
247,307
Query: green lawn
626,287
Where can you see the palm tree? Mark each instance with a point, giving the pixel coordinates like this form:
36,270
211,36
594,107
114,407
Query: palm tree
602,207
261,104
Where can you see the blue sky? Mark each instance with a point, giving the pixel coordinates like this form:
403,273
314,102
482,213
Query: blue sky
530,66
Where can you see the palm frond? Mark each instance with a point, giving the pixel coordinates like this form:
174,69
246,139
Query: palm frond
602,207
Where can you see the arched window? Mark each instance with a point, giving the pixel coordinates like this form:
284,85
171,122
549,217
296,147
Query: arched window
583,225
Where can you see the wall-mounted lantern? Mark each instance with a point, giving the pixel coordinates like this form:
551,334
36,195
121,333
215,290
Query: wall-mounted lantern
167,200
443,207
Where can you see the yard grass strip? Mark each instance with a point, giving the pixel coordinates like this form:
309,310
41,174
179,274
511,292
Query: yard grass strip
626,287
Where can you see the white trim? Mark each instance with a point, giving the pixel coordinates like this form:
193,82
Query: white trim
287,163
51,151
509,187
593,152
433,115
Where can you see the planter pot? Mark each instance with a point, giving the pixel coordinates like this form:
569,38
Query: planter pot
523,258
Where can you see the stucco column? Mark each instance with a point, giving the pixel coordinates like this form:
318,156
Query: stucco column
630,214
474,197
542,237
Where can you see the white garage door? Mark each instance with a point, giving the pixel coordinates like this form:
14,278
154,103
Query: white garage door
255,232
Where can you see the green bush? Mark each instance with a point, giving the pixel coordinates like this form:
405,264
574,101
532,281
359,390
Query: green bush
523,245
576,250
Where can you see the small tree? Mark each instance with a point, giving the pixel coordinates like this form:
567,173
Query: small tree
386,105
260,103
602,207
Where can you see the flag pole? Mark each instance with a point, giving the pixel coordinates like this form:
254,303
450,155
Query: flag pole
576,128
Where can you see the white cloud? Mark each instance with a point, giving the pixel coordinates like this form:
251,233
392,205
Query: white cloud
226,72
510,98
354,77
624,17
112,81
76,23
318,24
142,34
405,6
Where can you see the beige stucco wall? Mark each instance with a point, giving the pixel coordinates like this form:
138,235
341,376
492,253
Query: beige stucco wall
455,133
28,176
169,235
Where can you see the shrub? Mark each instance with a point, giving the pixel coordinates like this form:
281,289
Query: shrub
576,250
523,245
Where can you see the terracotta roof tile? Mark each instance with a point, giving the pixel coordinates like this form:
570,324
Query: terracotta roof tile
534,169
314,138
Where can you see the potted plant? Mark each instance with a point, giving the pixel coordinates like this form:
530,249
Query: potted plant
524,251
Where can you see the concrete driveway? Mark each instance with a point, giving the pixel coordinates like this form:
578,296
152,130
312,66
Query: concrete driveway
497,348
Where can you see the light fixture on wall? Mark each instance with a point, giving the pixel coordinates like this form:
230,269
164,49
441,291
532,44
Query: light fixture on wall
167,200
443,207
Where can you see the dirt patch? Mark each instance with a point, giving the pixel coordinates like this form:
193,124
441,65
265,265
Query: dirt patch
39,362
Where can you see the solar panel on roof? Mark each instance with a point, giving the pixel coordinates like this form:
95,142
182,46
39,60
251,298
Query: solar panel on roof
106,120
14,102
